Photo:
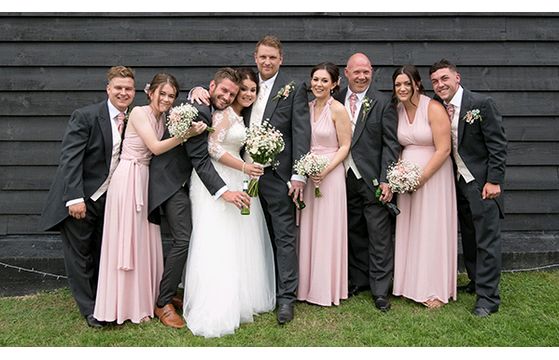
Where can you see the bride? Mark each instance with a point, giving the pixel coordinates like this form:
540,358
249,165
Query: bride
230,268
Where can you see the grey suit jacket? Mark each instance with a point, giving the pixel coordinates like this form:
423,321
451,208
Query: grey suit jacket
84,162
170,170
291,117
374,145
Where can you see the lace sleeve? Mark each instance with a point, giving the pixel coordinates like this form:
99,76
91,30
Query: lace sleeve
220,123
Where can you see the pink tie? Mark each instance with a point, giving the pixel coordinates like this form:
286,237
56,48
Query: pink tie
353,104
450,111
120,122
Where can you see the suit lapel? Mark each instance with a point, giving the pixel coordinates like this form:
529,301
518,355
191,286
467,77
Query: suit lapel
106,131
466,104
362,117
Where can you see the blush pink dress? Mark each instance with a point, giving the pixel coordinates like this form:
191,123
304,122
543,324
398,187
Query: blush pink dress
323,226
425,258
131,263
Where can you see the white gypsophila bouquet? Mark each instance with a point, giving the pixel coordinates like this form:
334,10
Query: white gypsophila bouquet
180,120
310,165
263,143
403,176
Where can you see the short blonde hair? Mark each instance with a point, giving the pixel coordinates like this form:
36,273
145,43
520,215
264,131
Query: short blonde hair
120,71
272,41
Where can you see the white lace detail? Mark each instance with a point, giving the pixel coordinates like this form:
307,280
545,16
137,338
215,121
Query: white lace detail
229,134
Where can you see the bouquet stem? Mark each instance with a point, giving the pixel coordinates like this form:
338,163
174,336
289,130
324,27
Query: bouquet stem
253,187
317,192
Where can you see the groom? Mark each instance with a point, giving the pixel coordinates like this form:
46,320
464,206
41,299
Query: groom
374,146
479,156
169,181
285,106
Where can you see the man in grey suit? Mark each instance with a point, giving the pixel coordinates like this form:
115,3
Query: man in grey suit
374,147
76,201
169,182
284,104
479,156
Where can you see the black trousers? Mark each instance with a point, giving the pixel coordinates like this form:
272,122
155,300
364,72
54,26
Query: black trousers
81,244
480,230
178,212
370,242
279,212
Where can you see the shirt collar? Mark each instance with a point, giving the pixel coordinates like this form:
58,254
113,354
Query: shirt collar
113,111
457,98
360,95
270,82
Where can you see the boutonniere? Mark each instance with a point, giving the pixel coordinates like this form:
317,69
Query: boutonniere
472,116
127,114
285,91
365,107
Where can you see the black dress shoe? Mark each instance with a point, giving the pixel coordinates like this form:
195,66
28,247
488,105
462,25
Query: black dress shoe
483,311
354,290
285,313
93,322
470,287
382,303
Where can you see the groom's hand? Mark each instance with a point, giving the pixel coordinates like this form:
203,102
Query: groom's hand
386,195
77,211
296,190
200,95
238,198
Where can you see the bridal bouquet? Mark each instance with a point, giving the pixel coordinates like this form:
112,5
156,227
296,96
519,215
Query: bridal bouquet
309,165
180,120
403,176
263,143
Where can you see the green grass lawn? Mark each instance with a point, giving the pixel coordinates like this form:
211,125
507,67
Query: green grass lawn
529,316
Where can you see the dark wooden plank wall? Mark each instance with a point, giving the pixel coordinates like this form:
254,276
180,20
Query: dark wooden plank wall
51,64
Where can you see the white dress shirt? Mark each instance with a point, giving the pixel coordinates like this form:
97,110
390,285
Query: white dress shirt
115,156
460,165
348,162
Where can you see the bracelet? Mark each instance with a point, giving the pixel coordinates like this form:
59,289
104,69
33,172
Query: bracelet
244,163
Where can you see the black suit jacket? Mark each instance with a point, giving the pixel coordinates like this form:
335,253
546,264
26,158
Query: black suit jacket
170,170
374,144
291,117
84,162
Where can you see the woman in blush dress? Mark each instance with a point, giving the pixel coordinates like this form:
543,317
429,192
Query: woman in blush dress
230,269
323,228
131,263
425,262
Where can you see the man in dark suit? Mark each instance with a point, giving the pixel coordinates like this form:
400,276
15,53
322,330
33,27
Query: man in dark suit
479,155
284,104
169,182
76,201
374,147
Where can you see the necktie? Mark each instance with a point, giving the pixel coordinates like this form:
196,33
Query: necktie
120,123
450,111
353,105
259,106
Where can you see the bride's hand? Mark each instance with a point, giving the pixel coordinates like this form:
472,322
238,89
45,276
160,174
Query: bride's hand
253,170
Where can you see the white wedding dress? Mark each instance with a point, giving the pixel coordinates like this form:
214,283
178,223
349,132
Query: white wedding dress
230,269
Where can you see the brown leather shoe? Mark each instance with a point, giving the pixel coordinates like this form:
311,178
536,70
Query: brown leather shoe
177,302
169,317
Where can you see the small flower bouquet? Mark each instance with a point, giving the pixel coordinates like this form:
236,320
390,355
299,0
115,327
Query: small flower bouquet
403,176
263,143
309,165
284,92
180,120
472,116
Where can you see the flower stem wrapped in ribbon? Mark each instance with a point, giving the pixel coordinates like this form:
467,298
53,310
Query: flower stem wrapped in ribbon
180,120
263,143
310,165
403,176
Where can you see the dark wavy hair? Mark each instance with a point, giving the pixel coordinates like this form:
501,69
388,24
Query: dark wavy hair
248,73
411,72
161,79
332,70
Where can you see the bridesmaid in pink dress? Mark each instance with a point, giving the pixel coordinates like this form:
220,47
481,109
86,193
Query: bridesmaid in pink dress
323,228
131,263
425,259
